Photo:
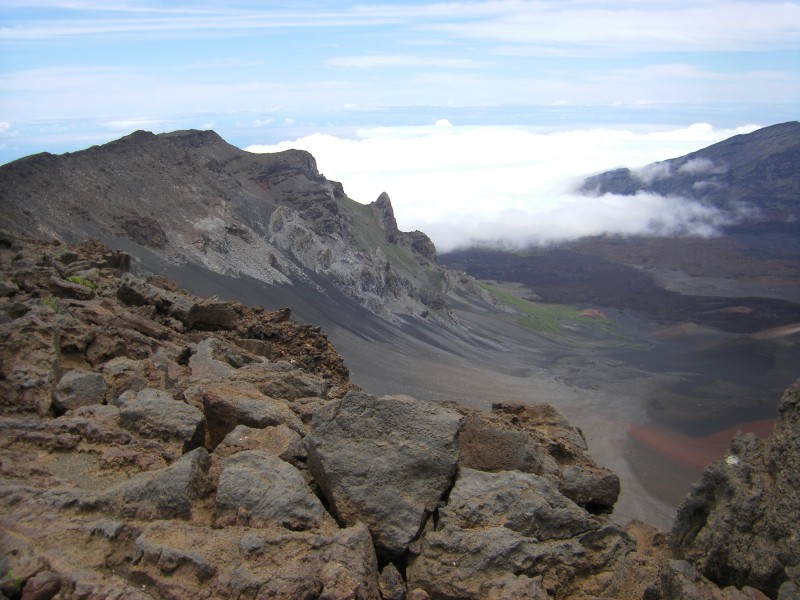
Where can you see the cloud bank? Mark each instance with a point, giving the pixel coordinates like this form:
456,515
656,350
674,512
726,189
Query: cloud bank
509,185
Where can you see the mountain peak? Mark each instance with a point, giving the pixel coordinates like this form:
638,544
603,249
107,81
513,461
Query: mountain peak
385,213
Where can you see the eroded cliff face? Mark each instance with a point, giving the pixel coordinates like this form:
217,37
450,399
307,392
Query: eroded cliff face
157,444
190,197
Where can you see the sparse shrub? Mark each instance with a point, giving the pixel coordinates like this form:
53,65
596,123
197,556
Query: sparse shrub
12,583
82,281
51,302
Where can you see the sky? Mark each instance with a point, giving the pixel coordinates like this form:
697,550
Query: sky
474,116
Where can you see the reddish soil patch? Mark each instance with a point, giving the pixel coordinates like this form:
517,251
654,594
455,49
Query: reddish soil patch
778,332
695,453
592,312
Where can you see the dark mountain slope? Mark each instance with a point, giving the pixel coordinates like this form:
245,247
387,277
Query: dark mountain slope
567,276
752,171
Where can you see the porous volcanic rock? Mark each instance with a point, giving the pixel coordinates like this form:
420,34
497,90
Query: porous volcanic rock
176,560
522,502
162,494
154,413
232,403
386,462
513,531
537,439
78,388
259,489
739,525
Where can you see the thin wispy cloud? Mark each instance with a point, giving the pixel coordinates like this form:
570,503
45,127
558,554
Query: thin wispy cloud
403,60
647,26
620,27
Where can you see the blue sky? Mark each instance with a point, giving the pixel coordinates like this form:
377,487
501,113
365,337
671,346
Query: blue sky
79,72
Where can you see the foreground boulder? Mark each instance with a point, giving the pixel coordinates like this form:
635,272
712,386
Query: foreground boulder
259,489
155,414
516,535
167,493
386,462
537,439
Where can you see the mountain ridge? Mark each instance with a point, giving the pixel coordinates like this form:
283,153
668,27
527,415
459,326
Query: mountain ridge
748,175
189,196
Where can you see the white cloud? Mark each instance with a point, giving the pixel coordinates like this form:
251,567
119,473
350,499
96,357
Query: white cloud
650,173
4,127
461,184
700,166
571,216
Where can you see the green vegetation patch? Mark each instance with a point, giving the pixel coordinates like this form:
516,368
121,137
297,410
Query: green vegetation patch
371,236
82,281
544,318
50,302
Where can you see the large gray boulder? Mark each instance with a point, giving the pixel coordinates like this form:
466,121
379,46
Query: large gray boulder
384,461
155,413
535,438
78,388
522,502
740,524
259,489
167,493
227,404
513,534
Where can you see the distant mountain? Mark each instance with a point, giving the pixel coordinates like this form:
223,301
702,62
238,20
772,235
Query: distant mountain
190,199
756,171
745,280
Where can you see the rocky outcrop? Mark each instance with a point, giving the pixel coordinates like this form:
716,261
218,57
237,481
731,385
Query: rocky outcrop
513,534
157,444
739,525
259,489
537,439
